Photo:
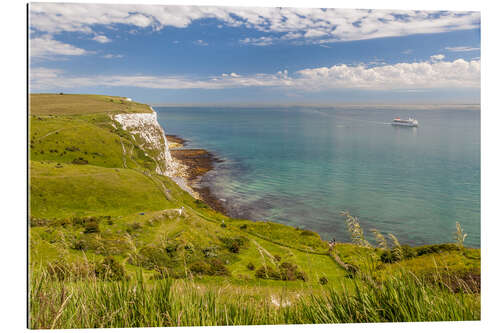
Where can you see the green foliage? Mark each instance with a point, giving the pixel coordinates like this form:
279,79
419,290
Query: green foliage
80,160
234,244
323,280
110,269
84,225
286,271
91,226
436,248
307,233
213,266
152,257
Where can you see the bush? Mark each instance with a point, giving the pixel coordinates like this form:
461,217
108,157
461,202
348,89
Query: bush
131,228
286,272
250,266
210,252
80,160
408,252
217,267
437,248
72,148
91,226
153,257
267,273
307,233
171,247
211,267
200,268
351,271
323,280
110,269
234,244
243,227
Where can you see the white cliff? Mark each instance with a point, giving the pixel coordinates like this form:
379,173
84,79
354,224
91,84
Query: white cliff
150,137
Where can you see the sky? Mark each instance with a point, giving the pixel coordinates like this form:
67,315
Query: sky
162,55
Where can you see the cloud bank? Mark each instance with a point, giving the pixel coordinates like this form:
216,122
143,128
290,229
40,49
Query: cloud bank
45,46
313,25
417,75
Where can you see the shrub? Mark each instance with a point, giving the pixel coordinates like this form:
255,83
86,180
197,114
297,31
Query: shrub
408,252
250,266
217,267
210,252
110,269
72,148
80,160
91,226
153,257
437,248
234,244
79,245
323,280
133,227
171,247
267,273
386,257
199,267
351,271
211,267
243,227
307,233
286,272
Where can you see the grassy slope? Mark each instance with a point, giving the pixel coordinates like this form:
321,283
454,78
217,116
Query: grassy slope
72,104
67,127
118,183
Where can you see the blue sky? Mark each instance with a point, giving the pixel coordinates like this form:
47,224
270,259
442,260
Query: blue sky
224,55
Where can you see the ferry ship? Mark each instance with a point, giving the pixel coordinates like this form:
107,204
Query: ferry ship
410,122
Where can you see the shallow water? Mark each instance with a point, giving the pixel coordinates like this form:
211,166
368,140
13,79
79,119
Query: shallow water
302,166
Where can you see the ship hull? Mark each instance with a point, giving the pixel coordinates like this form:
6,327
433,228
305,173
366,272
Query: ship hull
404,124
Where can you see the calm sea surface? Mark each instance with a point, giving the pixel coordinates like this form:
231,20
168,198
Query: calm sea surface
302,166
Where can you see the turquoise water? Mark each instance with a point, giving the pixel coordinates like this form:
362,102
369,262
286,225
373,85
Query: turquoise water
302,166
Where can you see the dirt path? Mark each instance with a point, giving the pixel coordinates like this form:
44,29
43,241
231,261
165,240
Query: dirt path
124,155
53,132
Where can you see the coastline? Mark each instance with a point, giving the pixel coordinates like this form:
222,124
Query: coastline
193,164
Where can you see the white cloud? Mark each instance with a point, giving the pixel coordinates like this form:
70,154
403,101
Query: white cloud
112,56
46,47
330,24
261,41
101,39
462,49
437,57
201,42
417,75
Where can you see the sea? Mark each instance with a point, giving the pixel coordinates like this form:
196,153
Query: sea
303,166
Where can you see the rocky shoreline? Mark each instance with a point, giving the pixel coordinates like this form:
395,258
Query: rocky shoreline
193,164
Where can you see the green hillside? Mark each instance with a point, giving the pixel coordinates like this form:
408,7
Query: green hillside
103,225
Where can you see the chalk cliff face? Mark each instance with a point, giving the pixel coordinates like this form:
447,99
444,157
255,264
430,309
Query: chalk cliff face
150,136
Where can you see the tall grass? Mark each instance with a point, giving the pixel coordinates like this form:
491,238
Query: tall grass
92,303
